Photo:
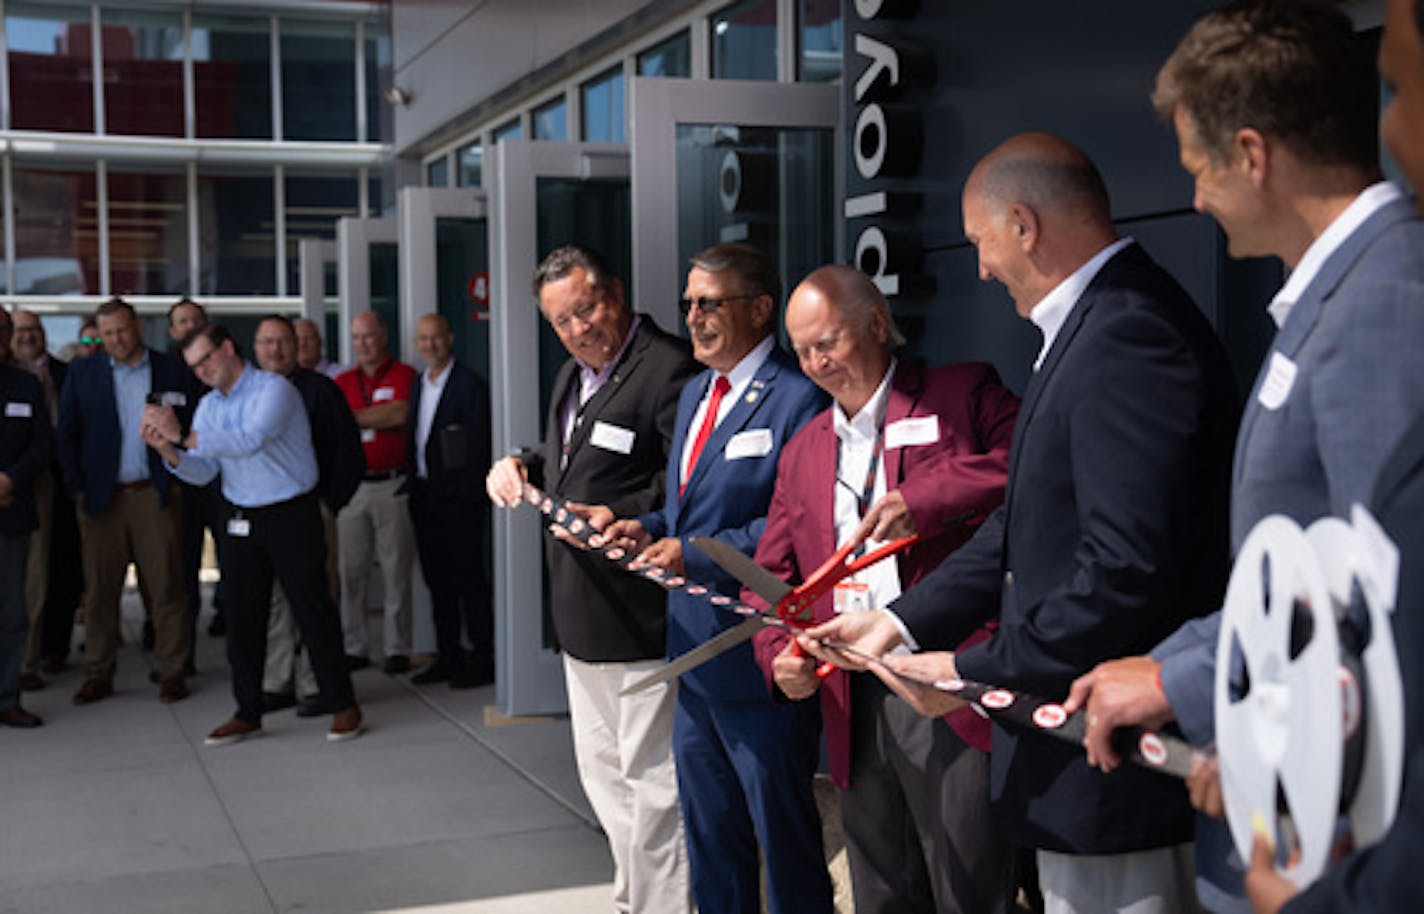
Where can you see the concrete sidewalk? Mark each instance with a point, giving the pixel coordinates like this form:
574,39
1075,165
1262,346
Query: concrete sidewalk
118,806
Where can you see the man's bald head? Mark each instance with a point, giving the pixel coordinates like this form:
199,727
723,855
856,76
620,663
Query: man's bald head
1042,171
368,340
855,296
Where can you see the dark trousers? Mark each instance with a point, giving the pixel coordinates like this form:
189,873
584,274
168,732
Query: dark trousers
66,579
14,616
919,835
203,508
744,771
451,541
284,541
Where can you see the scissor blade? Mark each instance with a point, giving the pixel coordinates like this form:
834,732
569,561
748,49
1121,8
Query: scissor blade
699,655
740,566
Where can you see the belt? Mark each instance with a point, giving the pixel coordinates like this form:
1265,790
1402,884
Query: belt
382,476
133,486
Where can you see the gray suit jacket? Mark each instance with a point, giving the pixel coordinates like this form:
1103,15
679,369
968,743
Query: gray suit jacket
1353,339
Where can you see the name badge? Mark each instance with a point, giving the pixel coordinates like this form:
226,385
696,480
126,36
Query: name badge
754,442
173,398
383,393
852,597
368,435
1280,377
18,410
612,438
912,431
239,526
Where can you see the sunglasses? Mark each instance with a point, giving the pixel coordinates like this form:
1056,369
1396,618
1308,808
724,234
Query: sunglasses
708,305
90,340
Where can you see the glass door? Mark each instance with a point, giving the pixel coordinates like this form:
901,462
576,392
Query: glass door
366,281
542,195
729,160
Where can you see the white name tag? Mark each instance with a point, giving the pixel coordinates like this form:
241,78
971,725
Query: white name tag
612,438
912,431
239,526
18,410
1280,377
1378,557
383,393
368,435
754,442
173,398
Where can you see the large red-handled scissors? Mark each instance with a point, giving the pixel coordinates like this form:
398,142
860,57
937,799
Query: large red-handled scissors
790,606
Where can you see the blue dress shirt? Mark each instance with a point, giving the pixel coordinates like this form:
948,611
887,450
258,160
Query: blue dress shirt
131,387
258,436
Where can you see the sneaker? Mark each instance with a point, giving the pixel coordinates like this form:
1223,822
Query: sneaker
233,731
396,664
345,725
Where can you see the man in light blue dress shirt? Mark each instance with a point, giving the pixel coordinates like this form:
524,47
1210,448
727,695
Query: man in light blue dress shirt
253,429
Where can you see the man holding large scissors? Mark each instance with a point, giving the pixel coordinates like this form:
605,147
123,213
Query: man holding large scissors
907,451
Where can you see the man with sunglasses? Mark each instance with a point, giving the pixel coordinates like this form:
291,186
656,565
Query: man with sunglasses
744,762
606,442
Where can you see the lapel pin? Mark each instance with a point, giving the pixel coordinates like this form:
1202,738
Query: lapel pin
751,396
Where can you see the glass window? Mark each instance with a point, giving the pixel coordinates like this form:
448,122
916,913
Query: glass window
513,130
318,80
237,234
314,202
232,77
56,232
143,73
744,41
821,42
551,121
51,85
437,172
148,232
471,160
378,64
672,57
603,107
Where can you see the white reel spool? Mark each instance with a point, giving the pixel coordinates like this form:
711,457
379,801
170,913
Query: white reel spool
1282,738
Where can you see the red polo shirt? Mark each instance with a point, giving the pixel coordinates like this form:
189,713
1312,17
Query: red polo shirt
385,448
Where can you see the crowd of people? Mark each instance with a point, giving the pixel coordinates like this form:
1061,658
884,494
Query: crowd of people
1074,543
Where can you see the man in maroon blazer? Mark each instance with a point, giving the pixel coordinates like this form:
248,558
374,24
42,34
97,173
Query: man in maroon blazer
903,450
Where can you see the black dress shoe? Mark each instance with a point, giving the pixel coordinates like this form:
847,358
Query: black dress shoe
277,701
147,634
396,664
218,627
31,682
472,677
19,717
354,663
436,672
313,706
54,666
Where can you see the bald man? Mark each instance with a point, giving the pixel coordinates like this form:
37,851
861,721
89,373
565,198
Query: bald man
449,448
1113,530
374,528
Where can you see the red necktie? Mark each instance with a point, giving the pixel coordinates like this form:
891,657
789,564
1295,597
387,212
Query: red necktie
709,422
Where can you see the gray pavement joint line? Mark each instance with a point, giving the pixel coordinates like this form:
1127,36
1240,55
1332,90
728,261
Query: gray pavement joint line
227,813
474,734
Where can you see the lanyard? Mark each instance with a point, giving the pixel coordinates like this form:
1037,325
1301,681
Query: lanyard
366,394
862,498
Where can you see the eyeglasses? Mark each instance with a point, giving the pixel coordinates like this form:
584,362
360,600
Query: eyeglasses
194,366
708,305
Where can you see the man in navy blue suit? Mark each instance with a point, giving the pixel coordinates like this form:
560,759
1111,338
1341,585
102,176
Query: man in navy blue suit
744,763
1113,530
128,504
449,448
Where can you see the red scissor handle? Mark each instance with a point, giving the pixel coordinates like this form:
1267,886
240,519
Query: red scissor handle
795,607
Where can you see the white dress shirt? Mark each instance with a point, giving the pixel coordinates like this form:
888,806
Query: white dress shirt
430,392
1052,310
739,377
856,436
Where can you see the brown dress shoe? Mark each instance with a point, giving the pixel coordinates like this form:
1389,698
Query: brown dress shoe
234,730
92,690
19,717
345,725
31,682
172,689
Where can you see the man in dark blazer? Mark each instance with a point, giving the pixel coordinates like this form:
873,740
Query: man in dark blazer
914,791
607,440
1113,530
744,763
128,503
25,442
449,445
50,575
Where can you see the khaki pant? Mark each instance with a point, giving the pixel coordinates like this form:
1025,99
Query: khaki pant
136,528
375,529
37,570
288,666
